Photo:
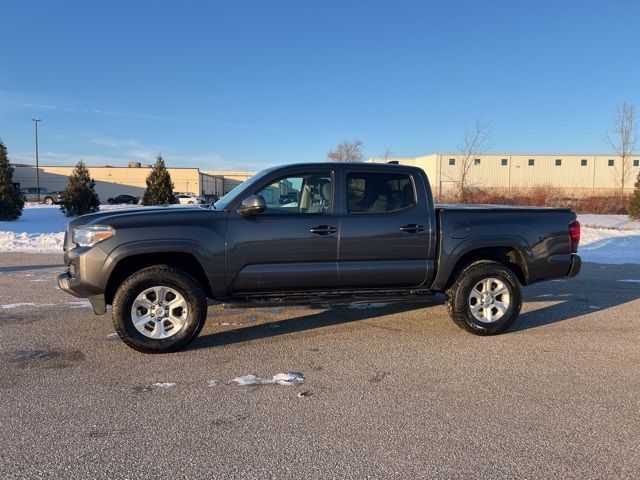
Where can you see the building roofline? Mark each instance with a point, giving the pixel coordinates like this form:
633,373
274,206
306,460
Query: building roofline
124,167
504,154
530,154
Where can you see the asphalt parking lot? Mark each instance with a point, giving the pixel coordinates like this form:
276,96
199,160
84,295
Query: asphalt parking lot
396,391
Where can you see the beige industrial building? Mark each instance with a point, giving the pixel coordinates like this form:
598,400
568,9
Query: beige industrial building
574,174
113,181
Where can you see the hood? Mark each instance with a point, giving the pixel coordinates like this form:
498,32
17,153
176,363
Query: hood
137,217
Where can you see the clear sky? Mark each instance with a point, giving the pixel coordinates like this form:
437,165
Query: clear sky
247,84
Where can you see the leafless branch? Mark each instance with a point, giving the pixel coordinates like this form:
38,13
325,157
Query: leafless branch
474,143
347,151
623,140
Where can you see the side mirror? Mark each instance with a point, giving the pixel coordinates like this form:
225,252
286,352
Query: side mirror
253,205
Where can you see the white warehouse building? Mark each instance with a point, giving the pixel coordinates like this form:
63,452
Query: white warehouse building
575,174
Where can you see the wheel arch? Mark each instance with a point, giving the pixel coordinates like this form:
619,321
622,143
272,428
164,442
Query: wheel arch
129,264
507,255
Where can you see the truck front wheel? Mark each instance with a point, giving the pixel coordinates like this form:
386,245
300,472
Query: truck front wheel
485,299
159,309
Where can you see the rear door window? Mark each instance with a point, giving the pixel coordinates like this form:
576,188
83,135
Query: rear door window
379,192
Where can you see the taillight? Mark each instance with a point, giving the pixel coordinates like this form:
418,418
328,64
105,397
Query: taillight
574,235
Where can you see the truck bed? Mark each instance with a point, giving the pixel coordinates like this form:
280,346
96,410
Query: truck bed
535,239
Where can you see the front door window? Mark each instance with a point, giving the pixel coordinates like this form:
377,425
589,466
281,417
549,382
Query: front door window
296,194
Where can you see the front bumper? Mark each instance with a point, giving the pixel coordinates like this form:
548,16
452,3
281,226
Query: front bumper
576,264
74,286
84,277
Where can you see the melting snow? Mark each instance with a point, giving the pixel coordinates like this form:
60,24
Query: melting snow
289,378
79,304
164,384
247,380
17,305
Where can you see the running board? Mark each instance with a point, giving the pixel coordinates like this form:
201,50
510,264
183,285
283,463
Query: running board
255,299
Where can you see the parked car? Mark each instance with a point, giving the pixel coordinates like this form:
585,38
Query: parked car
189,199
49,198
356,233
211,198
124,199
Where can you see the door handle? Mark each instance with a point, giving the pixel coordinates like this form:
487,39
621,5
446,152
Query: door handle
412,228
323,230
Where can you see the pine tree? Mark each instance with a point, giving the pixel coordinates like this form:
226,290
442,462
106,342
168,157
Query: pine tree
11,200
634,205
159,185
80,196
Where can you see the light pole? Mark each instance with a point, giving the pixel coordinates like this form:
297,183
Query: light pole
35,121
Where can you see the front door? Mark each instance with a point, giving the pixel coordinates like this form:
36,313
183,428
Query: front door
385,231
293,244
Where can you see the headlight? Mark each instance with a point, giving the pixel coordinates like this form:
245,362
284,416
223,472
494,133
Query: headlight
91,234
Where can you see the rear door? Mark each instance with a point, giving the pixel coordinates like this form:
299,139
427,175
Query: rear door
293,244
385,229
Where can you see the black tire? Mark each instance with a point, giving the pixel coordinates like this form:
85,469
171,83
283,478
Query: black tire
48,201
163,275
459,293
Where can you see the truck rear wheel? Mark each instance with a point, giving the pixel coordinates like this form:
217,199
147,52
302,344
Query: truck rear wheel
485,299
159,309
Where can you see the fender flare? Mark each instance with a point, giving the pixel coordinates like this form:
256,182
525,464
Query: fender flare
145,247
446,269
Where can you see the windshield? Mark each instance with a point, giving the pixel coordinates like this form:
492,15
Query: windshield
231,196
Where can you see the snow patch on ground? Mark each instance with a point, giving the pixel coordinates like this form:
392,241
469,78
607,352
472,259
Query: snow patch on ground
79,304
39,229
31,242
247,380
610,246
9,306
630,280
25,304
609,239
288,378
608,221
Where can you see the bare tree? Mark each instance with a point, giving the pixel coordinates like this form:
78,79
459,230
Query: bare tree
474,143
623,140
347,152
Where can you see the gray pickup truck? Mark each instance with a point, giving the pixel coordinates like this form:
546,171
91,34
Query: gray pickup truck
317,233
